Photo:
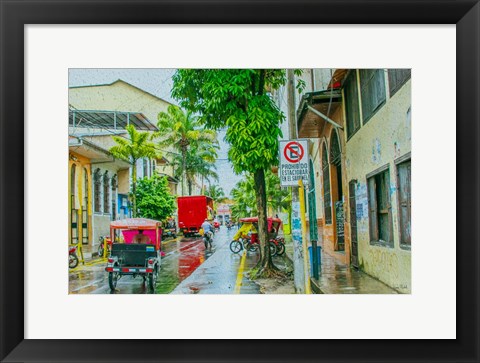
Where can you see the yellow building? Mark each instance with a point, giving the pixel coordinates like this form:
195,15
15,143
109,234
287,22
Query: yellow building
91,207
359,198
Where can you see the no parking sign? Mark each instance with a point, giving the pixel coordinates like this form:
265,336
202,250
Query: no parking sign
293,162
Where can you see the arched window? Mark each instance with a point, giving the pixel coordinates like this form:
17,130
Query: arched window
85,207
106,193
97,181
335,154
336,160
327,200
85,189
73,209
72,181
114,197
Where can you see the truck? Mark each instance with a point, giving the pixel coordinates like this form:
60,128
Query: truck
192,212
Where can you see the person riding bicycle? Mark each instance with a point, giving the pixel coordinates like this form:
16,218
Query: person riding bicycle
207,230
206,226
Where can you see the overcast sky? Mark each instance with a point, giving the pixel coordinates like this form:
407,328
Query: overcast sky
159,83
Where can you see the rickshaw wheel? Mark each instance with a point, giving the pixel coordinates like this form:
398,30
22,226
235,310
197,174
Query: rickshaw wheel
235,246
273,248
280,248
112,280
152,279
72,261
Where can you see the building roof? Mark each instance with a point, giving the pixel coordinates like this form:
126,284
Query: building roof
109,119
124,82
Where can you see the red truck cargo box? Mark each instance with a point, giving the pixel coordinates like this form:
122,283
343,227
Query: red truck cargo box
192,211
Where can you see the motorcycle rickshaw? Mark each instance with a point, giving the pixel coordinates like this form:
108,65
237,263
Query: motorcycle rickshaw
247,236
170,229
138,252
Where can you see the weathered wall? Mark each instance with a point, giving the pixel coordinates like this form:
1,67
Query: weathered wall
101,227
384,138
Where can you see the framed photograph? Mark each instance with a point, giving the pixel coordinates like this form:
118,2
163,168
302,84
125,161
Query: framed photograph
350,75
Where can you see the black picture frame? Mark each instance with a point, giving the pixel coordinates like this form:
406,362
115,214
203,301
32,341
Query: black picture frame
15,14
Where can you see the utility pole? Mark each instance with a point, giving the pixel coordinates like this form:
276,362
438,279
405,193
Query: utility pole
298,268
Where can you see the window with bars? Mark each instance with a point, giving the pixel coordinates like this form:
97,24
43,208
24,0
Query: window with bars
397,78
106,193
373,93
380,208
145,168
327,200
352,107
97,183
404,202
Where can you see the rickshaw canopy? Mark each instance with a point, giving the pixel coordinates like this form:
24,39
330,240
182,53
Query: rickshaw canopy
135,223
249,225
270,221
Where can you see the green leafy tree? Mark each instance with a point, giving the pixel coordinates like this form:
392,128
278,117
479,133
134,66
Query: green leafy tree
195,145
137,146
243,194
154,199
278,199
240,100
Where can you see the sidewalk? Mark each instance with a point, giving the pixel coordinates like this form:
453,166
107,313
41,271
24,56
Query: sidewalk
337,278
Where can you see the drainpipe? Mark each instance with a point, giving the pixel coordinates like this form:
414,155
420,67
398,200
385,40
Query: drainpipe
326,118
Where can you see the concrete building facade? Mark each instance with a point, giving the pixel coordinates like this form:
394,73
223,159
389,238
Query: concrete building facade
359,130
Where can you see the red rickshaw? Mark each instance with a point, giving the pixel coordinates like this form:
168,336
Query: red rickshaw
247,236
139,252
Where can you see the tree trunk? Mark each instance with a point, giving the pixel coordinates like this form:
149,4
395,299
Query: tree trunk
265,266
184,172
134,189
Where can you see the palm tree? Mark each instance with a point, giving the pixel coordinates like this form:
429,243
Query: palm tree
182,132
199,161
216,193
136,147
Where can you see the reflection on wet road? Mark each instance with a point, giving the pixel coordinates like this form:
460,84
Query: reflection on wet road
182,257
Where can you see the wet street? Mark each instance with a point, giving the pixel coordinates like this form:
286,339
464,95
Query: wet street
186,269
